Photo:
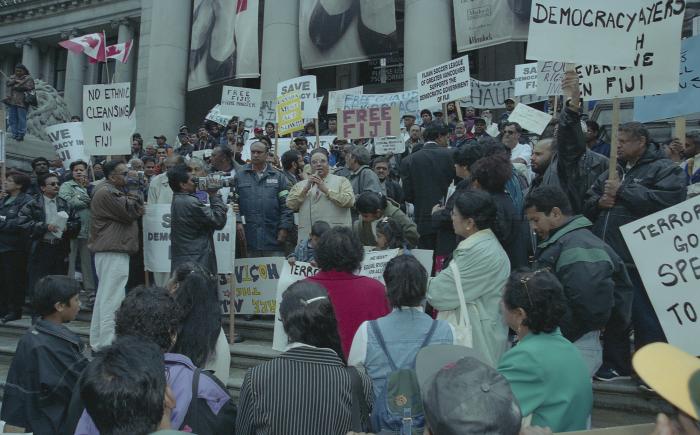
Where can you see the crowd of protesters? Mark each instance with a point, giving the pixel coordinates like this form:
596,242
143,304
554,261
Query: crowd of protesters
532,291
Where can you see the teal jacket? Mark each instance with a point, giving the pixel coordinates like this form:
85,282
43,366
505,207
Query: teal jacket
78,199
550,380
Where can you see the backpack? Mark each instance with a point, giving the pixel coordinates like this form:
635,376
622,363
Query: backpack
399,407
200,419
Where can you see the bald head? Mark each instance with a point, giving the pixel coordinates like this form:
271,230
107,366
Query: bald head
541,155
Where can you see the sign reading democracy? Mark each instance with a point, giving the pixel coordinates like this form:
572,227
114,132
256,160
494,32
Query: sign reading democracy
681,103
609,29
156,240
446,82
525,79
290,116
336,99
240,102
530,119
107,124
493,95
67,141
365,123
305,86
255,286
671,275
407,102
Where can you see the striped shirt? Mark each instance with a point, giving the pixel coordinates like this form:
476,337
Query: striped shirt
305,391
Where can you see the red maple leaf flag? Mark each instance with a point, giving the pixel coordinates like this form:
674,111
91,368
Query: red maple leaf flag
93,45
120,51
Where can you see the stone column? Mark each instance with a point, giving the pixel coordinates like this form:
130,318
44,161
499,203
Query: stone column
30,55
124,71
7,67
75,76
280,50
166,78
422,49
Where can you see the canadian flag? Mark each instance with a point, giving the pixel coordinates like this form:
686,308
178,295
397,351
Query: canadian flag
93,45
120,51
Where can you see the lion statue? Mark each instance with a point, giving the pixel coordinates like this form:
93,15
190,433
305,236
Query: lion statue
52,109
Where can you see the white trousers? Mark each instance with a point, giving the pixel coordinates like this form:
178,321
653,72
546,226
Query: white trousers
113,273
161,278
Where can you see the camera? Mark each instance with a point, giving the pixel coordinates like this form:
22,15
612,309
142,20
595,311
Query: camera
213,181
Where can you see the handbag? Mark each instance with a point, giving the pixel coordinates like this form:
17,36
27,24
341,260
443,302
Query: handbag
359,417
459,319
30,98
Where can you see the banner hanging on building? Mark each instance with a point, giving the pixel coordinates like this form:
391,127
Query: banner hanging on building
223,42
483,23
67,141
107,121
341,32
493,95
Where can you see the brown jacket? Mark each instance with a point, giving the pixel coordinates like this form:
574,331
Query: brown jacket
114,221
17,89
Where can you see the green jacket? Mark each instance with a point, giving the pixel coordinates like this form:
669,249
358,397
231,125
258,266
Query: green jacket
410,233
484,269
78,199
550,380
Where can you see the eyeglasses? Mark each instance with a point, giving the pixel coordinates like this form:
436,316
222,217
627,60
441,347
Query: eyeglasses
525,279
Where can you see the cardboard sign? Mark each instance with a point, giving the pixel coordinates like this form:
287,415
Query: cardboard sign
107,124
609,29
407,102
364,123
656,62
240,102
67,141
525,79
493,95
305,86
336,99
445,82
665,247
681,103
549,77
156,240
255,283
290,116
374,262
215,115
290,274
529,118
389,145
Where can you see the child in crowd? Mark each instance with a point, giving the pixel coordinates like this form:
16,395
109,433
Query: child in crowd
389,235
305,248
47,363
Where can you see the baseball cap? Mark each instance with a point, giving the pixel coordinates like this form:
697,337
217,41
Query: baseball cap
409,115
462,394
160,137
510,99
184,127
670,372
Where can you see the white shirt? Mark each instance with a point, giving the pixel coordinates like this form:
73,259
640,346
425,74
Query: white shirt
521,151
51,213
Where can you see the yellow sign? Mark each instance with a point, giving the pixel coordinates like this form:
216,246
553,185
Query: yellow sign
290,116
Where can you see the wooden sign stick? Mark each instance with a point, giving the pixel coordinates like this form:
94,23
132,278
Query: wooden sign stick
680,129
318,134
612,169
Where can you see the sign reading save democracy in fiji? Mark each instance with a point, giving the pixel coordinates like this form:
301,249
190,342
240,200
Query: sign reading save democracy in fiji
525,79
67,141
107,124
671,275
305,86
448,81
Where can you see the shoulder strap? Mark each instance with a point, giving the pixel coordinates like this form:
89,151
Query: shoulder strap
359,403
460,292
380,338
194,416
430,333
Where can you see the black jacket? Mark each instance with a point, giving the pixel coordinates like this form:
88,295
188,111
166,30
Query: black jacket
513,231
573,168
43,373
426,175
32,219
12,236
594,277
652,184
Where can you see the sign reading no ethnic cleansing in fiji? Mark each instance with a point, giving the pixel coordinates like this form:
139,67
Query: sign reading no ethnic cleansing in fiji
107,121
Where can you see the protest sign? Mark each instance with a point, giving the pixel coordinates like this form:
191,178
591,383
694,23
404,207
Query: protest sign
364,123
609,29
202,154
493,95
255,285
305,86
389,145
657,58
312,107
67,141
665,247
240,102
374,262
681,103
290,117
549,77
290,274
525,79
442,83
529,118
107,125
215,115
284,144
156,240
407,102
336,99
483,23
3,153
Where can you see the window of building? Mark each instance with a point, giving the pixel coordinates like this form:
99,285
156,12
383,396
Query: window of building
59,77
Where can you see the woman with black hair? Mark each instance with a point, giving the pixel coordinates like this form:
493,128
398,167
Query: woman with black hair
355,298
307,389
201,337
373,207
479,269
546,371
21,86
390,236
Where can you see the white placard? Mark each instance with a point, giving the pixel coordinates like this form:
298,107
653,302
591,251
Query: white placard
67,141
107,121
549,77
665,247
215,115
389,145
493,95
156,240
306,86
406,100
336,99
525,79
255,283
312,108
446,82
529,118
241,102
591,31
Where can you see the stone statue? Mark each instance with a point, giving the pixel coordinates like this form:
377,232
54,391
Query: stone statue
52,109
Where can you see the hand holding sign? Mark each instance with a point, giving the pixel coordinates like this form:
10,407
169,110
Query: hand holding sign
569,86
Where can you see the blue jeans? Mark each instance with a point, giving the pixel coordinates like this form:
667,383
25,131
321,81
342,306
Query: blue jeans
591,350
18,120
